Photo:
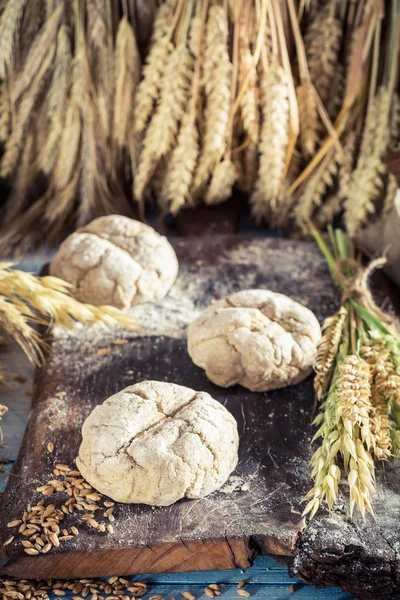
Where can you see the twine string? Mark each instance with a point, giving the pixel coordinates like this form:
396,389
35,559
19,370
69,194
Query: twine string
356,286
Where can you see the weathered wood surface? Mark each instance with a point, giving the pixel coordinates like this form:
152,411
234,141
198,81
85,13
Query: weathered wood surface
225,530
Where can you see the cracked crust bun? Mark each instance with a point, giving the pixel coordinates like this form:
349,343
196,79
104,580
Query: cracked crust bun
156,442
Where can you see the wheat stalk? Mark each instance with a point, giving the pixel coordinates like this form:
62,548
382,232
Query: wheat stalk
216,80
267,196
153,71
161,135
9,24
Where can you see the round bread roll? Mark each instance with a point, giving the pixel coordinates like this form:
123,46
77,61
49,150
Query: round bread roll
256,338
156,442
116,261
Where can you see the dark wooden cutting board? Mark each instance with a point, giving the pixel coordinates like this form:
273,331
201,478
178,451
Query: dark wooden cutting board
225,530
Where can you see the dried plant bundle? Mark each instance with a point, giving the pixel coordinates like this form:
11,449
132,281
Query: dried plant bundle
358,382
297,106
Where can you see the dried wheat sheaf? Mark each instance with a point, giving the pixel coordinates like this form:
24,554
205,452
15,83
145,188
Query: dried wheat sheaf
294,103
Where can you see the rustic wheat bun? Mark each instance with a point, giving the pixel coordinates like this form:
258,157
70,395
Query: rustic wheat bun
116,261
256,338
156,442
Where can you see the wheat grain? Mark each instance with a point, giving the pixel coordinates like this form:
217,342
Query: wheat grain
127,66
216,79
9,24
308,116
328,346
267,196
161,134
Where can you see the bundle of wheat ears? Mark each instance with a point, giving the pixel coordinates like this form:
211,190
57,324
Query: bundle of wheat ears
357,382
27,300
293,101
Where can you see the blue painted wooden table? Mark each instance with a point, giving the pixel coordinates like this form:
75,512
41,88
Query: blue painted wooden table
266,579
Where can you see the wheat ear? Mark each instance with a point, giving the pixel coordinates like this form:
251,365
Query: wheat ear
222,181
249,103
160,137
308,116
10,21
25,112
57,101
216,79
274,137
366,183
100,44
153,71
65,175
328,346
322,42
37,55
5,112
182,164
355,409
127,66
395,121
315,189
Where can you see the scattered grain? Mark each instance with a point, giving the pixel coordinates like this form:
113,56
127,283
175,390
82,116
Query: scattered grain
244,593
8,542
50,447
31,551
103,351
15,523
